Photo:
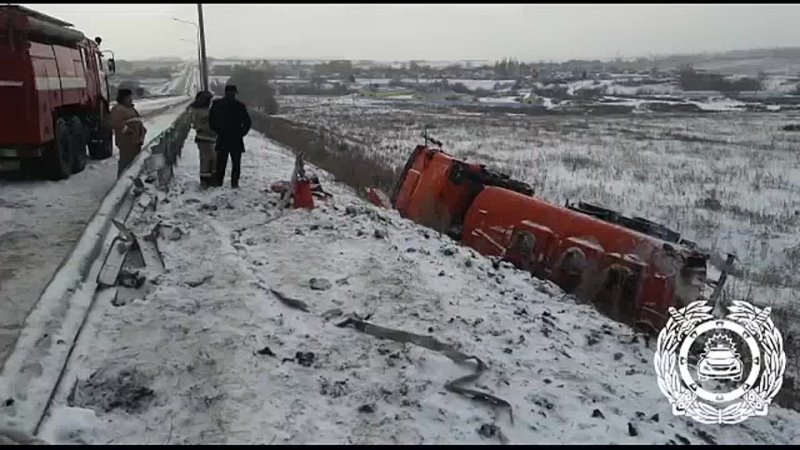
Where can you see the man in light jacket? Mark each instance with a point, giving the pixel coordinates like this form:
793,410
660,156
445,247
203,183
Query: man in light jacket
129,131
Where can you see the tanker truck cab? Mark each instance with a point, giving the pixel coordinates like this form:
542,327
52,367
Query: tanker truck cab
55,95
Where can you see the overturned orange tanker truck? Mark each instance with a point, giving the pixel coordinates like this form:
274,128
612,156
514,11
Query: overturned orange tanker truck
631,268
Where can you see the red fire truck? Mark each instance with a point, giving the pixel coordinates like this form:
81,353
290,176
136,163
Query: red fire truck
54,97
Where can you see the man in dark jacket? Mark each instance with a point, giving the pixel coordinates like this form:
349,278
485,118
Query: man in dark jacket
229,119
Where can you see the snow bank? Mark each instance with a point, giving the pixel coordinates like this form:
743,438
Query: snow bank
220,351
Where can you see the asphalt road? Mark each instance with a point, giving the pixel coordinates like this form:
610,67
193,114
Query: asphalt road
40,222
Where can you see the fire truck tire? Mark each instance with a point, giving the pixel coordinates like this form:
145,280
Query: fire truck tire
105,147
58,162
78,141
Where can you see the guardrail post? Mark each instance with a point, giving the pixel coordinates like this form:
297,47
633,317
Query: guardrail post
165,153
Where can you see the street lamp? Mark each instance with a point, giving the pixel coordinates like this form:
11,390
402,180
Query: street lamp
200,65
203,45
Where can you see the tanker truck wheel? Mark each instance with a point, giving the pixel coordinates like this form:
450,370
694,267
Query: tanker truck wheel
58,162
78,141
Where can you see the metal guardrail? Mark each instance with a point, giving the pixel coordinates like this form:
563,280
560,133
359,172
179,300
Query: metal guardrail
165,153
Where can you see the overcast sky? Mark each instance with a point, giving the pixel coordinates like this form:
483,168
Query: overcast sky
435,32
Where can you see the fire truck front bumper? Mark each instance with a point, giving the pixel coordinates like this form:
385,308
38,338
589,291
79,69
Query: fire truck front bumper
11,158
19,153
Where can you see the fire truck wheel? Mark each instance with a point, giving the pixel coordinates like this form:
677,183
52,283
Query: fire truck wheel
104,146
78,140
59,159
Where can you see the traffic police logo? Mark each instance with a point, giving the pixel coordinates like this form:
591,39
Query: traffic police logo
739,369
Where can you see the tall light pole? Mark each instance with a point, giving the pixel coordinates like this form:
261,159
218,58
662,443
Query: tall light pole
203,46
201,68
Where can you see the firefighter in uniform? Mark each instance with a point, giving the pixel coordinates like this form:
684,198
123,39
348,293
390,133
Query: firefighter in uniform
129,131
205,138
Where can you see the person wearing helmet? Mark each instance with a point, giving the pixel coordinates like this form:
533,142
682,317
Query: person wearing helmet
205,138
129,131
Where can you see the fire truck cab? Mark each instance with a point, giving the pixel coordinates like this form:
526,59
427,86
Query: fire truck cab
55,96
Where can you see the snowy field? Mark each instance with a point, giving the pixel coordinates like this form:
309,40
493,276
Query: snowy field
729,181
206,354
40,221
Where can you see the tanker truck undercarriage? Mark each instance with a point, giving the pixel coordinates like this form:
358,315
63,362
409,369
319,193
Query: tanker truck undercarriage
632,269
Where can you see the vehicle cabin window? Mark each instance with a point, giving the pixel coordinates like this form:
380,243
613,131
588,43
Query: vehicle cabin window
83,60
99,63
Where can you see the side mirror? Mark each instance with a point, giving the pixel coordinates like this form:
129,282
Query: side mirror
112,66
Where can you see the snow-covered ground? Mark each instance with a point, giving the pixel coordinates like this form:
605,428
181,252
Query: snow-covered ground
40,222
206,354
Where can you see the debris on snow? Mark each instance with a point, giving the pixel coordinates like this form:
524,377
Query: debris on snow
335,389
199,281
331,313
707,438
367,409
266,351
305,359
435,345
174,233
791,127
319,284
447,250
290,302
130,278
683,440
119,300
488,430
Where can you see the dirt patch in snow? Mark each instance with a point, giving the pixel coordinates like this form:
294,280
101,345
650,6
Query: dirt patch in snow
107,390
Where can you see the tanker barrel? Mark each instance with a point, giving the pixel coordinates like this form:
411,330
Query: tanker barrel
51,33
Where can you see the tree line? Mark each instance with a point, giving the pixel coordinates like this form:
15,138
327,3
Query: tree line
254,86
